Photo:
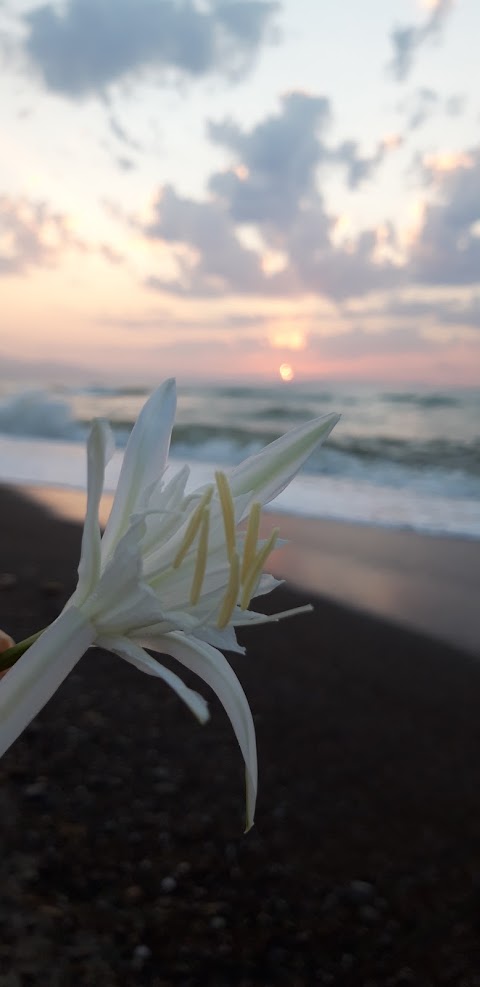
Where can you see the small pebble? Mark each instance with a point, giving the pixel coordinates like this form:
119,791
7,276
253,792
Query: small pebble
7,580
51,587
360,892
133,893
35,790
369,914
168,884
141,954
217,922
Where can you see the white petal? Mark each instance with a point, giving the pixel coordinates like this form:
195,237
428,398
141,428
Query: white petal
171,495
137,656
135,608
214,669
31,682
143,462
267,473
267,584
224,638
122,600
173,585
99,451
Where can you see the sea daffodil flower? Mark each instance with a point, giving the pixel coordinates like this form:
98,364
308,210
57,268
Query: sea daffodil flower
172,572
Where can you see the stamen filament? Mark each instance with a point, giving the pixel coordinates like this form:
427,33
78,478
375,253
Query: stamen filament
192,528
228,511
258,563
201,560
268,618
251,539
231,594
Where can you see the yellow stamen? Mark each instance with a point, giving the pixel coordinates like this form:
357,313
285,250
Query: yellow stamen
231,593
201,560
192,528
254,573
228,511
251,539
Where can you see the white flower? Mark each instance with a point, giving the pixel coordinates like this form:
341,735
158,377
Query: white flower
171,573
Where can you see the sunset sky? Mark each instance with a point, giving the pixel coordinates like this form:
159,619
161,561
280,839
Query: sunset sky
216,188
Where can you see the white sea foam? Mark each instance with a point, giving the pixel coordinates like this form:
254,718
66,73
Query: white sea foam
58,463
396,457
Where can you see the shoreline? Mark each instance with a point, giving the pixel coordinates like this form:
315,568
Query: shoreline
428,583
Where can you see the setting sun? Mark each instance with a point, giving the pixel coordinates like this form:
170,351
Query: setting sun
285,371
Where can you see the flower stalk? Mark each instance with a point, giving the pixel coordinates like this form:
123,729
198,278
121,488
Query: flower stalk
10,655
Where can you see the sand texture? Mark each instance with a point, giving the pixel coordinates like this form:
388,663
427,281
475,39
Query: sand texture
122,855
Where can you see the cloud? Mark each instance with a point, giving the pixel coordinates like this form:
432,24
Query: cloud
277,161
420,106
271,188
121,135
31,236
408,39
124,163
447,247
169,321
348,271
87,45
357,342
455,104
458,314
438,311
361,167
216,261
213,261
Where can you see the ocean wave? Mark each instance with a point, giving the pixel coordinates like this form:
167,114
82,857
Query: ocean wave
101,390
435,400
281,412
40,415
242,429
429,454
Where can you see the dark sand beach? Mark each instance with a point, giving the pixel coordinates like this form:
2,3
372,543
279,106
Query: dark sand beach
123,860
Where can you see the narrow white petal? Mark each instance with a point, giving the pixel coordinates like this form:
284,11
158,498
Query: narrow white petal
214,669
143,462
267,584
170,495
99,451
122,572
267,473
135,655
122,599
31,682
224,638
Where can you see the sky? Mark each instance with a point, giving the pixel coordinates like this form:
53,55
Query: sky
220,188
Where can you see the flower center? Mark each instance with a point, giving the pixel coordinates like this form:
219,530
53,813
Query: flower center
245,559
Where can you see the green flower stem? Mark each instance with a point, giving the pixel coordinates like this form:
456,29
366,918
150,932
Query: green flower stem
11,655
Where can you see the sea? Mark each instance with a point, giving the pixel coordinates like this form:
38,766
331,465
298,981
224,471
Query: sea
399,457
